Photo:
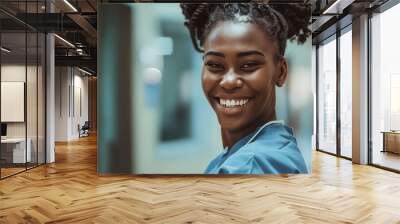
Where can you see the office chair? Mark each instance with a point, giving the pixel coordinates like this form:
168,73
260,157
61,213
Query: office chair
84,130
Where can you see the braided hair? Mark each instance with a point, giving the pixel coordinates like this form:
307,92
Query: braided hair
280,21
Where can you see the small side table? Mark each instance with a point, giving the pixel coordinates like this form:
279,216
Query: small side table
391,141
14,150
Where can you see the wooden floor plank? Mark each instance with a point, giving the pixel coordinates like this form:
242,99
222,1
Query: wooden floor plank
70,191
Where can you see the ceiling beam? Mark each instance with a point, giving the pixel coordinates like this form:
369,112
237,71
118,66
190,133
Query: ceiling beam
84,24
84,61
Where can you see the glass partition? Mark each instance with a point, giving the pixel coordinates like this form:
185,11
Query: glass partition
327,96
22,88
13,104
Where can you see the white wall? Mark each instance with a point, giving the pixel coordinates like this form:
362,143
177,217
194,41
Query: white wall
16,73
61,103
69,84
79,117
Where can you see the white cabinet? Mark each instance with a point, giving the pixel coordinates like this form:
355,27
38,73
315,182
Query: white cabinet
16,148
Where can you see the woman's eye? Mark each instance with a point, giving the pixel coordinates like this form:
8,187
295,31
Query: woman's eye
249,66
215,67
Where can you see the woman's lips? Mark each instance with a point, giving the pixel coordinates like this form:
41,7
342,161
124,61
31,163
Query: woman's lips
229,103
231,106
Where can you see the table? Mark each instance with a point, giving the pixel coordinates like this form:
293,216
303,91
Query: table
13,150
391,141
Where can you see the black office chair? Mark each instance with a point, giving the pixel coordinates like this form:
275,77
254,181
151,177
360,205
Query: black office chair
84,130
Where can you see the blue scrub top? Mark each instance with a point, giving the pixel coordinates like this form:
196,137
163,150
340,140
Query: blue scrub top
272,149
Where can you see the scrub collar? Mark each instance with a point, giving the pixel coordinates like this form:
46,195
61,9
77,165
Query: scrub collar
262,127
249,138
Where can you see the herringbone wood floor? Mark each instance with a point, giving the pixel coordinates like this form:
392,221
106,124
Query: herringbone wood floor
70,191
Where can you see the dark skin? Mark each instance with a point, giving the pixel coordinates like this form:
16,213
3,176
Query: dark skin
239,76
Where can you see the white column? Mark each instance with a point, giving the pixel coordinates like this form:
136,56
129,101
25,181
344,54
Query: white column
50,99
360,90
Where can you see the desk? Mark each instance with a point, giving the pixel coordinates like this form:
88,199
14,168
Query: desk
391,141
13,150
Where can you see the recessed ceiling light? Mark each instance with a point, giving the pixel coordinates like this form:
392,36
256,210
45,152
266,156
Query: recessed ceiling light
5,50
84,71
65,41
70,5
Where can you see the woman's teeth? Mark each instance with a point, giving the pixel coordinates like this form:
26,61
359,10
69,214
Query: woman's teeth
233,103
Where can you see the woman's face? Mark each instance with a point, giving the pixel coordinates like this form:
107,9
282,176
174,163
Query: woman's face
239,75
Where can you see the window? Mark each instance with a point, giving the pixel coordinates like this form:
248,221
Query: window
385,89
346,93
327,96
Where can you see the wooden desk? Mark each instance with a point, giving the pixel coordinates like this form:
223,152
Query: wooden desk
391,141
13,150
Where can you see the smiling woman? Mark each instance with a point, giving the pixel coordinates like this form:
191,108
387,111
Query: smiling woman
243,46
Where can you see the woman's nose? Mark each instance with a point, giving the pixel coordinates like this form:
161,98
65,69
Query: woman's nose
231,81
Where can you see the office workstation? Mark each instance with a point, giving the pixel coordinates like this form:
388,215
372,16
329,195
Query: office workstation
16,147
15,150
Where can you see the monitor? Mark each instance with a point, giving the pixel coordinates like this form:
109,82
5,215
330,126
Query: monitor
3,129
